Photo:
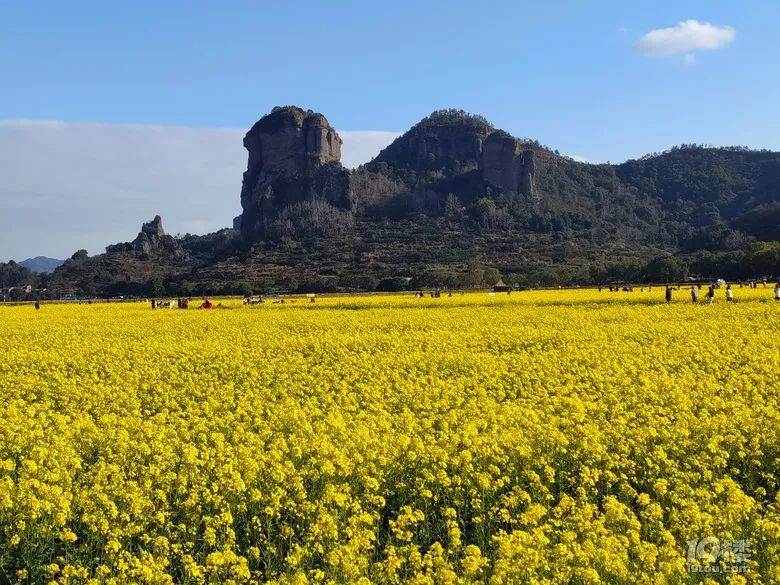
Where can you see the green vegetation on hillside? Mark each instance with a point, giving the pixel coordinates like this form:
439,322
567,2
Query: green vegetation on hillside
422,215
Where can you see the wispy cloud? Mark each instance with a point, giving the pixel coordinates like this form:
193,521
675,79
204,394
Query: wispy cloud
579,158
69,186
685,38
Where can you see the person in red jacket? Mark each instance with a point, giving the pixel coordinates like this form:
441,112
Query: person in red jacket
206,304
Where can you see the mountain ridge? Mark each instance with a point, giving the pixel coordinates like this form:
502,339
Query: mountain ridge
42,264
448,198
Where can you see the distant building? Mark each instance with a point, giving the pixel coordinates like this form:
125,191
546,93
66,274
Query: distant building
501,287
15,293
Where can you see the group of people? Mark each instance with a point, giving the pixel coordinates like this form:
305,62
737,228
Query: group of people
710,293
434,294
754,283
178,304
182,303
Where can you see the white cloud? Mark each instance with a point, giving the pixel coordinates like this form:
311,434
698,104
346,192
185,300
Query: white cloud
68,186
360,146
685,37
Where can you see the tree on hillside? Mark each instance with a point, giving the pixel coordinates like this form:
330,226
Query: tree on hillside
491,276
666,269
13,274
763,259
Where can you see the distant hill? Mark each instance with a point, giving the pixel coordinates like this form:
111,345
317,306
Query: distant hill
42,264
455,202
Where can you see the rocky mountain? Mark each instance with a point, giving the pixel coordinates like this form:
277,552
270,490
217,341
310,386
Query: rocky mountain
447,140
293,157
152,239
137,267
41,264
455,202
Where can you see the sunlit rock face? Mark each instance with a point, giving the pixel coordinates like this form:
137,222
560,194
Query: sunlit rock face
294,155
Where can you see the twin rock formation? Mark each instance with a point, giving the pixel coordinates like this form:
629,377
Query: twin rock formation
294,156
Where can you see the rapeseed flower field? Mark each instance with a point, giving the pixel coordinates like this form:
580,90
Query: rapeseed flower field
542,437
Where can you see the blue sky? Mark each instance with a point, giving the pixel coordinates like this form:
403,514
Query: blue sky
574,75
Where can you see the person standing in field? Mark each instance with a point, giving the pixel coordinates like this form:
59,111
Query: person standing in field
37,305
711,294
694,294
668,294
777,291
729,294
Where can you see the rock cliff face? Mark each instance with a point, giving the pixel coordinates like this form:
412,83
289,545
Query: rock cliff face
153,239
294,163
293,156
452,142
505,164
150,236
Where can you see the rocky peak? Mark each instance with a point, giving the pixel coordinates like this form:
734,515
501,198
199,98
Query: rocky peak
154,228
290,140
152,238
294,156
444,140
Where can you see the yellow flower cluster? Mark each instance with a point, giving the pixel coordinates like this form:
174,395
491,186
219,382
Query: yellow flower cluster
558,436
